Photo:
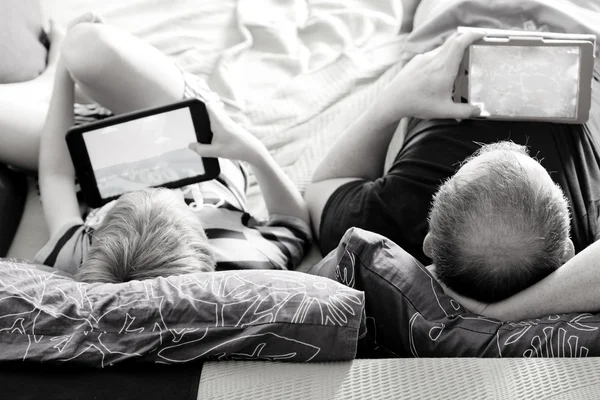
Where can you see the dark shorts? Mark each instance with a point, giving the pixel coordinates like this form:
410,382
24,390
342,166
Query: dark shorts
397,204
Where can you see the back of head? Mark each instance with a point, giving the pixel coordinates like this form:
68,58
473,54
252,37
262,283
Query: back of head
147,234
496,230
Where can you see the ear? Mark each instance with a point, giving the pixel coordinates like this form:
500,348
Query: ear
427,246
569,252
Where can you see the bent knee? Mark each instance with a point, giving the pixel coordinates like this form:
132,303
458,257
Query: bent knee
87,51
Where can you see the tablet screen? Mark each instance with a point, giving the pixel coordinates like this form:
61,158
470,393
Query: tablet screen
525,81
145,152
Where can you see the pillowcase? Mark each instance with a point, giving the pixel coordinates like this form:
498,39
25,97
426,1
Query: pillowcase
409,315
242,315
23,56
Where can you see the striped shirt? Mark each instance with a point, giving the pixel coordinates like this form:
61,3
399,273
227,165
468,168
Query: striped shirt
238,240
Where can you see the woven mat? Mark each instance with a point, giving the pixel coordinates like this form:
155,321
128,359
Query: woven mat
441,378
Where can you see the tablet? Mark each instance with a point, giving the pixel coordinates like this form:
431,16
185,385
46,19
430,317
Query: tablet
139,150
514,75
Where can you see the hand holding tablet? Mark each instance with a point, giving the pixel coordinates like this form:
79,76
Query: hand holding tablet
536,76
230,140
143,149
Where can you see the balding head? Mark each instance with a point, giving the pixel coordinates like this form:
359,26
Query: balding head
498,225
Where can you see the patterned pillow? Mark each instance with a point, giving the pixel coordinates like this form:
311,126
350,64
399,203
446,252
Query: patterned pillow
267,315
409,315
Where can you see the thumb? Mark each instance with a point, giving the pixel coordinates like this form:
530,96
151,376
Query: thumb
463,111
203,150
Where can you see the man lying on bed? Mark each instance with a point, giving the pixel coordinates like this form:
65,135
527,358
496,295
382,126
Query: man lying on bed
154,232
349,190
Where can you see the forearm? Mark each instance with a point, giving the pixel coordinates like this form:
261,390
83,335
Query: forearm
572,288
360,151
56,173
54,155
280,194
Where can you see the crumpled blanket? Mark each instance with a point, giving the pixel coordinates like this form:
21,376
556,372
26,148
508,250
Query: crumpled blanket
292,59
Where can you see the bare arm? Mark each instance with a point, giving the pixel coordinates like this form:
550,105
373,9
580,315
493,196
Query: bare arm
233,142
358,154
279,192
24,109
423,88
571,288
56,174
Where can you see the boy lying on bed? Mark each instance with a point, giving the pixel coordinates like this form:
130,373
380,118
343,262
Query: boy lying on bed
154,232
517,227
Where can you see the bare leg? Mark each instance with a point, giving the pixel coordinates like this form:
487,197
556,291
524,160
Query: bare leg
24,107
110,66
20,128
119,71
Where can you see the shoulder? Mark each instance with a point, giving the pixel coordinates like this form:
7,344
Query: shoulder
66,248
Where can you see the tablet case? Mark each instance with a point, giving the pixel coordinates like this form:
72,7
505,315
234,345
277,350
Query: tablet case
86,175
549,109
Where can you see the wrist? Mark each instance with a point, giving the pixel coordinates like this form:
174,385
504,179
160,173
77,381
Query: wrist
257,154
389,109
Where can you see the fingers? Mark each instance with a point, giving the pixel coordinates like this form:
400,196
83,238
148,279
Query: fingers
461,111
203,150
89,17
456,45
213,112
453,36
216,117
432,54
219,118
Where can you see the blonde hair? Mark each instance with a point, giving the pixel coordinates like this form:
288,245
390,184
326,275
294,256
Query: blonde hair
147,234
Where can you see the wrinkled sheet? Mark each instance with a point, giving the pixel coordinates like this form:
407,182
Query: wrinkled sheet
295,73
298,73
275,63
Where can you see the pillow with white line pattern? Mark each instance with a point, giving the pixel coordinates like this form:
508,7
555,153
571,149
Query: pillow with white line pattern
409,315
248,314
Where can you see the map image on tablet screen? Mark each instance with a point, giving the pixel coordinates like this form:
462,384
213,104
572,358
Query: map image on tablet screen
145,152
525,81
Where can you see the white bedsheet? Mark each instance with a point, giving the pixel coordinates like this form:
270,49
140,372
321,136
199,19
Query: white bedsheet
296,73
275,63
293,72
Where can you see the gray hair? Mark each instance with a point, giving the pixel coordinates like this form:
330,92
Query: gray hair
495,232
147,234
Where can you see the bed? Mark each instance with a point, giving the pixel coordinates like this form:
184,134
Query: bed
326,61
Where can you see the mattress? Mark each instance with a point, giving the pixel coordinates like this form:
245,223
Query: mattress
404,378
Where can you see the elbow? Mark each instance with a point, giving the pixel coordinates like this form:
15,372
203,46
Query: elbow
314,208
